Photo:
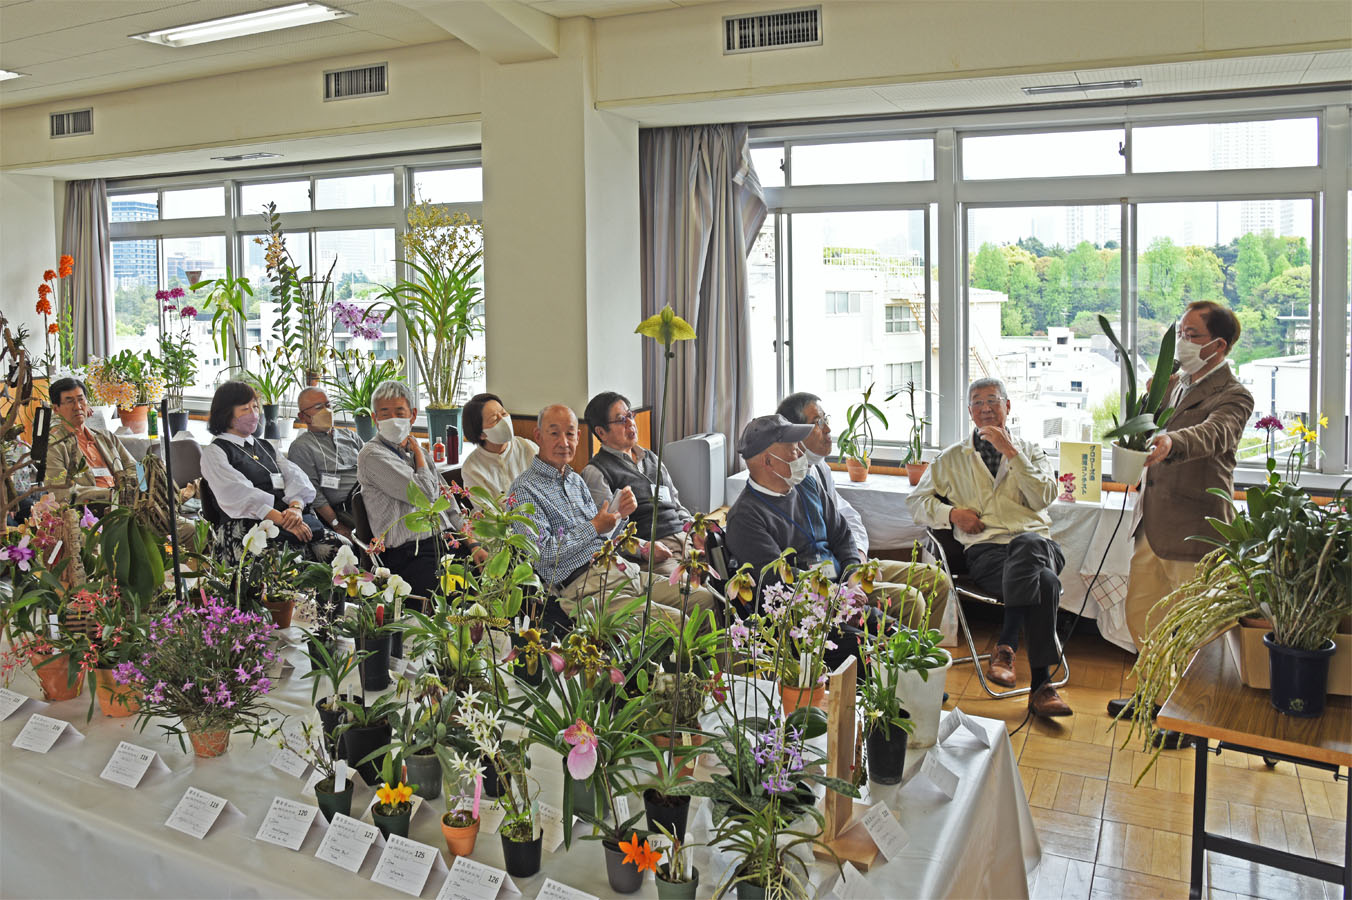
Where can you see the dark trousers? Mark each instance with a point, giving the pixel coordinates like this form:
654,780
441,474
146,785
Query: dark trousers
416,566
1023,574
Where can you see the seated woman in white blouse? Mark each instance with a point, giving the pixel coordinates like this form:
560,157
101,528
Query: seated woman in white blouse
250,481
501,454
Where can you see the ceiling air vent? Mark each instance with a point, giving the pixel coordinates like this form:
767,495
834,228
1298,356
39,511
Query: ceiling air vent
773,31
366,81
68,124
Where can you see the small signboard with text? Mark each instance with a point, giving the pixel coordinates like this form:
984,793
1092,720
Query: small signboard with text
1081,471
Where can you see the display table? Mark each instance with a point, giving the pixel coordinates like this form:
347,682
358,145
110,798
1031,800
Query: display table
1082,529
1211,702
65,832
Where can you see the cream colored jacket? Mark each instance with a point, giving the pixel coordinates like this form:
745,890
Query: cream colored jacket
1014,502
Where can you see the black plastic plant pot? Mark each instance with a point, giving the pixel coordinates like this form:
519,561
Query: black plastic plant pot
358,743
886,755
521,859
624,878
331,803
375,668
671,813
1300,678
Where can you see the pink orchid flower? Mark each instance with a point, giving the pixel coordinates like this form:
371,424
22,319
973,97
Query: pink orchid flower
582,758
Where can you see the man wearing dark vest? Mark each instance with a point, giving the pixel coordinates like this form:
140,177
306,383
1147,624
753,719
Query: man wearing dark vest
622,462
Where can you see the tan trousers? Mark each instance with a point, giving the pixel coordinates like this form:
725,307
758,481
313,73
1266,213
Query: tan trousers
904,586
673,542
1150,581
620,587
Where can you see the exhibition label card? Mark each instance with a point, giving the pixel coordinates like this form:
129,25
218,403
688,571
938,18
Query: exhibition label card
557,890
42,732
551,824
286,760
490,817
10,701
346,842
621,807
279,668
287,823
399,665
885,830
470,879
129,763
940,775
405,865
852,884
959,719
197,812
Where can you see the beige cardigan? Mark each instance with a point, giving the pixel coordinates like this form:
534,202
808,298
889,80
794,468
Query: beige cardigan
1013,502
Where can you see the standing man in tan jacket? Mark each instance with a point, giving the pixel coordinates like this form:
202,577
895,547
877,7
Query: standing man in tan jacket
1196,452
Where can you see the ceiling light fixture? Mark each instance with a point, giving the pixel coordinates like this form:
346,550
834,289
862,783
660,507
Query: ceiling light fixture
1124,84
274,19
6,74
241,157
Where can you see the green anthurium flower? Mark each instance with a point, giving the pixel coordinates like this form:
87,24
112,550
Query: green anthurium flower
666,327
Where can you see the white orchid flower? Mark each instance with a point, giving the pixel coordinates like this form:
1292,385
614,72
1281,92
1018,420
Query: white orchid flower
396,587
256,540
343,559
381,573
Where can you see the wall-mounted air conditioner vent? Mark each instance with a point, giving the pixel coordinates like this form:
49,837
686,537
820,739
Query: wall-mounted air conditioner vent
773,31
67,124
365,81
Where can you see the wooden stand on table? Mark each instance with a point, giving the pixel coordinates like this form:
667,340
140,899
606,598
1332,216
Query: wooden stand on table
840,811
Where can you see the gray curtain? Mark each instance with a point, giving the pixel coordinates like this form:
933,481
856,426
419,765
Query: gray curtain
701,208
88,291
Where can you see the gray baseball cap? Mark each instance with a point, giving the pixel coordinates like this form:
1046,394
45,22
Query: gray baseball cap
763,431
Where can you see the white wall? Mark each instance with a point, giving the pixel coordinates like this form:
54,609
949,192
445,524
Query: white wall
28,229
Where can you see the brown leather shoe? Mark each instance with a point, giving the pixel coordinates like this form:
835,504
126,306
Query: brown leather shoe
1001,667
1046,702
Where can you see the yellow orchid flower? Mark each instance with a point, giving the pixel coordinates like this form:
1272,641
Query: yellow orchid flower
666,327
1323,421
394,796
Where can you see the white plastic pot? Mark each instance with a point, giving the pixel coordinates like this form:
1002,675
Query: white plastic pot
1128,464
923,699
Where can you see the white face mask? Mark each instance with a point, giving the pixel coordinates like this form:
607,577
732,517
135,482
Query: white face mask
797,469
1190,356
812,458
395,429
501,431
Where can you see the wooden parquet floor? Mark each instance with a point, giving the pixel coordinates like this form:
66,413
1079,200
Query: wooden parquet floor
1103,836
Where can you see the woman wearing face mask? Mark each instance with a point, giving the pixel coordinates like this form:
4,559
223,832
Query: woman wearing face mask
251,481
501,455
385,466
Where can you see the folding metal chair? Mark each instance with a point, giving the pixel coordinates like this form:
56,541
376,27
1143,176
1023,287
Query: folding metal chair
953,557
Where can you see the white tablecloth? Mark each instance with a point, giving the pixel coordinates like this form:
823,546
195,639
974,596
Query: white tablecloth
64,832
1082,530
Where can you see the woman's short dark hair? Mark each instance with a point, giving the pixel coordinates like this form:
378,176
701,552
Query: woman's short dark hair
64,386
597,413
223,403
472,417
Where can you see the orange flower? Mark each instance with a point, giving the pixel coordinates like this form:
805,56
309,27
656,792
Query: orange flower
49,275
44,289
641,855
53,328
66,265
44,306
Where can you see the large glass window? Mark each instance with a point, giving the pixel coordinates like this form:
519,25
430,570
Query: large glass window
136,273
1225,145
1055,154
193,203
863,162
290,196
460,185
354,191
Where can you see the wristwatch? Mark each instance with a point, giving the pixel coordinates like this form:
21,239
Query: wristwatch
333,524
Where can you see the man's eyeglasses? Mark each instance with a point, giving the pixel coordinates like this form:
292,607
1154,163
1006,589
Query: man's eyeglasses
316,407
822,421
1192,334
626,419
985,403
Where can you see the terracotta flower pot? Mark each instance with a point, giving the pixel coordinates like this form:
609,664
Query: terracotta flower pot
460,839
54,673
115,700
662,741
915,471
137,419
858,470
210,743
281,611
794,697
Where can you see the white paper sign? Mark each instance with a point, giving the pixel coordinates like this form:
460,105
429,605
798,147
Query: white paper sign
346,842
405,865
287,823
551,824
852,884
490,817
10,701
621,807
42,732
942,777
287,761
556,890
279,668
885,830
398,665
196,812
470,879
128,764
956,719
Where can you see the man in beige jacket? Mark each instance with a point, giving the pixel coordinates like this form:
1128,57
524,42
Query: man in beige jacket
993,490
90,458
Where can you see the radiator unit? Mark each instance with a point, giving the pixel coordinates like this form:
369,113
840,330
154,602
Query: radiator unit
698,465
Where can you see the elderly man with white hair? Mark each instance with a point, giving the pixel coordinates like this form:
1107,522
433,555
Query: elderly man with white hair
385,467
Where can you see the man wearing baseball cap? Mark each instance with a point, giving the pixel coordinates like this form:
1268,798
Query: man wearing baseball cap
780,509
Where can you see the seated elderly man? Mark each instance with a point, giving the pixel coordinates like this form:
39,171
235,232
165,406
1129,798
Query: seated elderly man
90,458
803,408
781,508
570,528
385,466
328,457
622,462
993,490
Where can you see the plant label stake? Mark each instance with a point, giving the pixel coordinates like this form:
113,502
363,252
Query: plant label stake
838,836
